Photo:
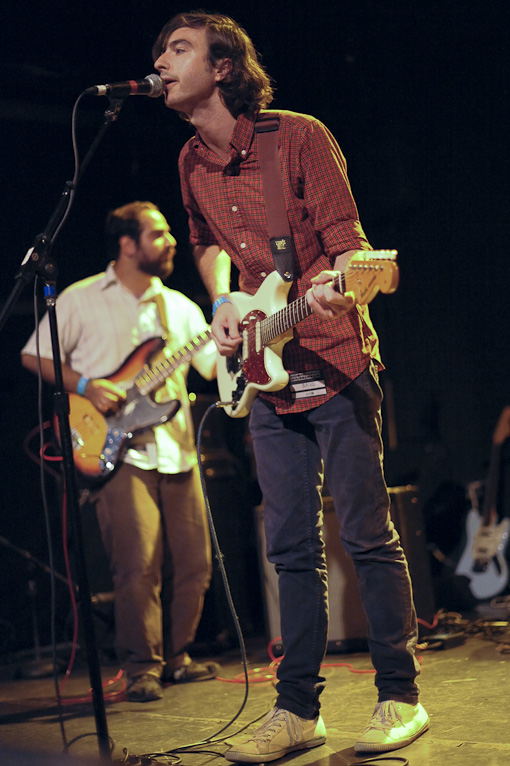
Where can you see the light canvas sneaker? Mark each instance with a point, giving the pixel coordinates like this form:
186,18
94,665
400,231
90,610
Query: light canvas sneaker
280,733
393,725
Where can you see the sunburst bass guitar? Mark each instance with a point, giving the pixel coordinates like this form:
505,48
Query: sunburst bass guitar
267,321
98,441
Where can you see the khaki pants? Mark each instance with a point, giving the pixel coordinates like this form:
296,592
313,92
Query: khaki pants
155,533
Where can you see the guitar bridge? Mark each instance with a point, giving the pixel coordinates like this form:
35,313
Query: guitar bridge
76,439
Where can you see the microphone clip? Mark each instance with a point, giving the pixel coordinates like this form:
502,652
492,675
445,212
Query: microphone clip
113,111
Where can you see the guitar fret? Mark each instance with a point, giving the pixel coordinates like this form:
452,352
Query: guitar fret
282,321
365,263
151,379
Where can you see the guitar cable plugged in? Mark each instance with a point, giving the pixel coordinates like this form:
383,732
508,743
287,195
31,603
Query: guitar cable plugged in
438,641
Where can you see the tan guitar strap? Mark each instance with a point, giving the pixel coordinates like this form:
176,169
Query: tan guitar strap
280,238
163,318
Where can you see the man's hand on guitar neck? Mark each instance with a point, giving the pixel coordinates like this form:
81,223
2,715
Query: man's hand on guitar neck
322,297
324,300
225,329
106,397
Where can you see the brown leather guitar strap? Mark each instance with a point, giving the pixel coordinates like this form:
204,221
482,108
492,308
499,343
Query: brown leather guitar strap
280,238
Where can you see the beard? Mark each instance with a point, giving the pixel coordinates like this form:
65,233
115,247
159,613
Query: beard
156,268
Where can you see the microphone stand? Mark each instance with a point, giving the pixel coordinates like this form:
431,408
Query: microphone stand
38,263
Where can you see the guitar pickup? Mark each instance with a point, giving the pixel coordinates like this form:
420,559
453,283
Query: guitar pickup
76,439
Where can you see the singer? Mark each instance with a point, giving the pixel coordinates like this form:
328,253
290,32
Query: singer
327,420
150,511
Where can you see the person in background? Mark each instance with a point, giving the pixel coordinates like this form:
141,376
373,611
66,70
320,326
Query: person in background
150,510
328,418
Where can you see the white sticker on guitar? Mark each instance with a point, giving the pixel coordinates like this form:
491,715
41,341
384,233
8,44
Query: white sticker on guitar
307,384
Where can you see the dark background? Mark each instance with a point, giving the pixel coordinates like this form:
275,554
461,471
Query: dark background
416,94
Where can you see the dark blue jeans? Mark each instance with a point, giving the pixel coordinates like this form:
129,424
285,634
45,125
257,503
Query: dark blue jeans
340,439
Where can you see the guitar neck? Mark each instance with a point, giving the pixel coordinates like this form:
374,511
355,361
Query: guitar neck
491,489
367,273
152,378
294,313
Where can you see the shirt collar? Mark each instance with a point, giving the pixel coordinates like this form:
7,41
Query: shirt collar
242,136
111,278
155,288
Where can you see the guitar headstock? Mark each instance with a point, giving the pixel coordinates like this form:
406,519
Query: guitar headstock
371,271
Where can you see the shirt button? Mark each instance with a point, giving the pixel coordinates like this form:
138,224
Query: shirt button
243,245
234,208
263,274
243,152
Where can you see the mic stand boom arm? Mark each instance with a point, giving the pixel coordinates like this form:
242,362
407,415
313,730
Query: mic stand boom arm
38,263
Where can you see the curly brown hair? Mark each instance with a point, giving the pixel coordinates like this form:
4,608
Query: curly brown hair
247,87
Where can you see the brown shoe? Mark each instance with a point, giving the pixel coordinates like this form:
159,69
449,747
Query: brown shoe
145,688
194,671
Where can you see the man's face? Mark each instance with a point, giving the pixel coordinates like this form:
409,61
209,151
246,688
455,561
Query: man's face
156,247
189,79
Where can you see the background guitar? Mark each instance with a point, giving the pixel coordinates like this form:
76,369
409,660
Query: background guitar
267,321
483,560
98,441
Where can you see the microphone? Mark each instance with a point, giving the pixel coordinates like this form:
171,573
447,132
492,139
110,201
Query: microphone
151,86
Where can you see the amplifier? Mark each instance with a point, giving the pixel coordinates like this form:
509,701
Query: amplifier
347,622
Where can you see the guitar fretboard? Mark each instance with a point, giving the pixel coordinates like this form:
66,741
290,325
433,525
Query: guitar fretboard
152,378
490,499
282,321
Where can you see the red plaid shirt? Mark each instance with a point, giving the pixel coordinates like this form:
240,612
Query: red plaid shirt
228,211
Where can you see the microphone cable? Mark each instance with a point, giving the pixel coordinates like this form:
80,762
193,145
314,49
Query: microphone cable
215,736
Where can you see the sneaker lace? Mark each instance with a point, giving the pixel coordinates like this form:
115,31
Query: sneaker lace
272,725
385,716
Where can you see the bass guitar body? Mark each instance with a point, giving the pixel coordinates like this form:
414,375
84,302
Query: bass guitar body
98,441
483,560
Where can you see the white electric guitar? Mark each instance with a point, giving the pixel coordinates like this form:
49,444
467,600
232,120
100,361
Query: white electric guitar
267,321
483,560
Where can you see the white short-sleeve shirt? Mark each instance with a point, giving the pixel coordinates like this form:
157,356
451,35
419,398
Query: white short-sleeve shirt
100,323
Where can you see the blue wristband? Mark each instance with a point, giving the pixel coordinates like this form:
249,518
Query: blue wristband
82,385
219,302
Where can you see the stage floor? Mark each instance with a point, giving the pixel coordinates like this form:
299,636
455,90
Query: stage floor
464,688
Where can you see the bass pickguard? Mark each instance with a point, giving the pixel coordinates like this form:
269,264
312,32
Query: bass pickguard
99,443
135,417
483,560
